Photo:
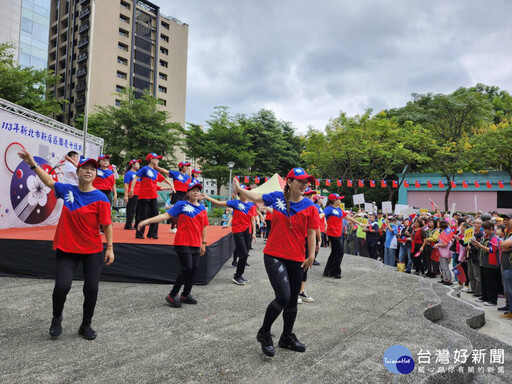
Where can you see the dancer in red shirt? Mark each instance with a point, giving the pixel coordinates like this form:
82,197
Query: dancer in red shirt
131,203
189,242
77,239
241,224
294,219
105,180
147,205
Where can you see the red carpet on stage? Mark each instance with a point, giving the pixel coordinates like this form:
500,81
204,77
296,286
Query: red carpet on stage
27,252
121,235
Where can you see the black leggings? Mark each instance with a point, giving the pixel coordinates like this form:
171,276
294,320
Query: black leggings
189,259
286,278
65,267
131,208
243,244
147,208
333,265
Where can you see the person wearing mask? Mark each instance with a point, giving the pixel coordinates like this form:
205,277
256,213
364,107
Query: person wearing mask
78,240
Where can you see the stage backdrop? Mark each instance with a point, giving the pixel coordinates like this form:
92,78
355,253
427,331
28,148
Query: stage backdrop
24,200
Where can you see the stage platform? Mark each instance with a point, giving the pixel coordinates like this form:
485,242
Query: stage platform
27,252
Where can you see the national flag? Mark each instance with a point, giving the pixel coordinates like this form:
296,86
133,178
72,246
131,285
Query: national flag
500,184
237,177
349,183
429,184
266,179
447,235
328,182
395,184
489,184
317,182
441,184
453,184
372,183
406,184
383,183
246,179
432,204
361,183
464,184
339,183
458,271
477,184
417,184
257,179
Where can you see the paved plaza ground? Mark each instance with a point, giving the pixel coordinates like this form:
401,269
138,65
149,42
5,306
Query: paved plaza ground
347,330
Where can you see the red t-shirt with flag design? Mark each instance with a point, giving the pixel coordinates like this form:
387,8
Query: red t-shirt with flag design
78,230
321,222
128,178
104,180
283,241
334,217
191,221
181,181
148,179
242,215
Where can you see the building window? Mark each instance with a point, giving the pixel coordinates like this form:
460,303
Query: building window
123,33
163,102
165,25
119,88
162,76
162,89
504,199
163,63
125,5
124,19
118,103
122,47
164,38
121,75
163,50
120,60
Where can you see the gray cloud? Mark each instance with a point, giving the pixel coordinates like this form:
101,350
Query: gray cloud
309,60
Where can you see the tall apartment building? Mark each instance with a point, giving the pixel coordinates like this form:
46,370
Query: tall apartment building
26,24
116,44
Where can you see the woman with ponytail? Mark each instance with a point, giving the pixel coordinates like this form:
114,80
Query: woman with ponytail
294,218
334,216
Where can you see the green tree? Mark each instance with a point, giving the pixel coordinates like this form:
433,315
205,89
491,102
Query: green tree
223,141
27,87
274,143
449,122
135,128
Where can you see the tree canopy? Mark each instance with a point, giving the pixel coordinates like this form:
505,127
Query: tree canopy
27,87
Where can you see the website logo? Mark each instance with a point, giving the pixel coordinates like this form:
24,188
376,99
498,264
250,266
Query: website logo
398,359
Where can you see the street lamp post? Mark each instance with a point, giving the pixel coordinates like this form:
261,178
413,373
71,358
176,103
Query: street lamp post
230,165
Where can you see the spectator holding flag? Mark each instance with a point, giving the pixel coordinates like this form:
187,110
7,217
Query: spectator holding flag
489,266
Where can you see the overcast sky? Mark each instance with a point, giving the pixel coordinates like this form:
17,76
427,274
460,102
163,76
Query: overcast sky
308,60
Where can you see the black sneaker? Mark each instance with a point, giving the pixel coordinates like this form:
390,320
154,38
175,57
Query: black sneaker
244,279
173,301
56,327
234,264
87,332
316,263
290,341
477,295
247,264
504,308
267,345
238,280
188,299
337,276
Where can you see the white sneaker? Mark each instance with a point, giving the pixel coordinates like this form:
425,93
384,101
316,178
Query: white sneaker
304,297
299,300
465,289
174,230
489,304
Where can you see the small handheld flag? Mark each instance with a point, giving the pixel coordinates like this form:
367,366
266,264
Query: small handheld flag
458,271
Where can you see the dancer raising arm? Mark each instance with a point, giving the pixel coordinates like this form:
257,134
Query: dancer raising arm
294,219
243,220
189,242
77,239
